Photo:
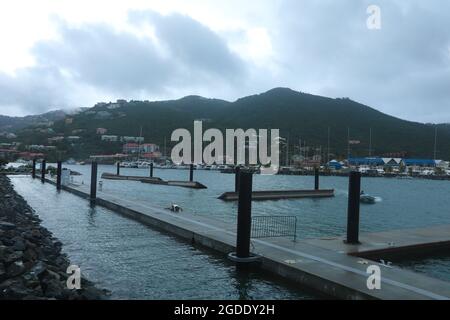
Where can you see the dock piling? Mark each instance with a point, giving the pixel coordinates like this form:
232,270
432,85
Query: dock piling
118,168
58,175
43,165
33,170
93,194
237,171
244,219
316,178
151,170
354,192
191,172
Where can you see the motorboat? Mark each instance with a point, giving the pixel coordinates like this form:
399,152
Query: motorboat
367,199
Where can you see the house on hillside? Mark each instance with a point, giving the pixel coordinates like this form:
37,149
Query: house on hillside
101,131
110,138
132,139
73,138
131,148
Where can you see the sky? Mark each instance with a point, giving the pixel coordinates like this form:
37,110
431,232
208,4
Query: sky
67,54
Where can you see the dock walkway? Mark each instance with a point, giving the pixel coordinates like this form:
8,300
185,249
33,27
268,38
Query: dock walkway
326,265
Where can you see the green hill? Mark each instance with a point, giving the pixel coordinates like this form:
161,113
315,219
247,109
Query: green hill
297,115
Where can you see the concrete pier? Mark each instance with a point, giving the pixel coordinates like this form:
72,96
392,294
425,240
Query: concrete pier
155,180
280,194
326,265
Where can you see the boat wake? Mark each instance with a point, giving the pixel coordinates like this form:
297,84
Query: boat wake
378,199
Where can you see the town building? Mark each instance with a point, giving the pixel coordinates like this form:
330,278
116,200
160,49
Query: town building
101,131
55,139
110,138
131,148
149,148
132,139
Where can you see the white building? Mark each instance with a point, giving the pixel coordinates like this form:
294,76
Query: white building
132,139
110,138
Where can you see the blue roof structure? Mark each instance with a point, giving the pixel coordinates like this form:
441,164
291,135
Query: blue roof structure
420,162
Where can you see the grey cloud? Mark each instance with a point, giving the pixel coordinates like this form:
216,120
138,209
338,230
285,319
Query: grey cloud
402,69
33,90
192,44
322,47
99,57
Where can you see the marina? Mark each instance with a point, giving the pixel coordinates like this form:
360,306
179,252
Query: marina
324,264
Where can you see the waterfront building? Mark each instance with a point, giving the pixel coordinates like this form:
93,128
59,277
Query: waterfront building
424,163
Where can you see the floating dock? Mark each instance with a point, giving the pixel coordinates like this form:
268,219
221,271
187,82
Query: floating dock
183,184
154,180
111,176
280,194
326,265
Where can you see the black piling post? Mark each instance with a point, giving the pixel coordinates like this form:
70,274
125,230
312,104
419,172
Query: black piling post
58,175
316,178
93,194
33,170
244,219
191,172
354,192
151,170
43,168
118,168
237,171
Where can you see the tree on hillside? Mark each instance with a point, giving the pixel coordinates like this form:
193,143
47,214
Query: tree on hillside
3,163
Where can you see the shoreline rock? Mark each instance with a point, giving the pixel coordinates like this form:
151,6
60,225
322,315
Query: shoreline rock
32,265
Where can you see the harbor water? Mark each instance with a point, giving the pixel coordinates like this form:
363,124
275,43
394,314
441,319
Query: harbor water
401,203
136,262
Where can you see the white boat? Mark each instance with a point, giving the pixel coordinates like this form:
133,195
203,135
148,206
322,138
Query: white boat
143,164
126,164
365,198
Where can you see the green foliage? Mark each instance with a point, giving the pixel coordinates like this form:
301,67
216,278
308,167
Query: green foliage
3,162
297,115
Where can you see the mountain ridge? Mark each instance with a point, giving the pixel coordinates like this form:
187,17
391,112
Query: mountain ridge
298,115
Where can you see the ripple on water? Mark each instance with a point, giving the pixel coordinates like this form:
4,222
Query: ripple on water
136,262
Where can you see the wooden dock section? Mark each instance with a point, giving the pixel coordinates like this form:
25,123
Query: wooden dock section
280,194
154,180
326,265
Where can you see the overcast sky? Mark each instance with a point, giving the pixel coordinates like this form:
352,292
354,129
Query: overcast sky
67,54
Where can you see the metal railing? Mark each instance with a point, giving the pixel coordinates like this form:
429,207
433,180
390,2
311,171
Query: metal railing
274,226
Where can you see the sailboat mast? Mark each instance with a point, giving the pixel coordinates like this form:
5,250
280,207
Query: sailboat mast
328,146
435,143
348,143
139,145
370,143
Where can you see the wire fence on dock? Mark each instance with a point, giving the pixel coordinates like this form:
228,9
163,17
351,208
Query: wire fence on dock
274,226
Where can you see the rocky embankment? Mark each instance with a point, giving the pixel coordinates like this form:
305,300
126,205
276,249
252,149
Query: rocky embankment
32,265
